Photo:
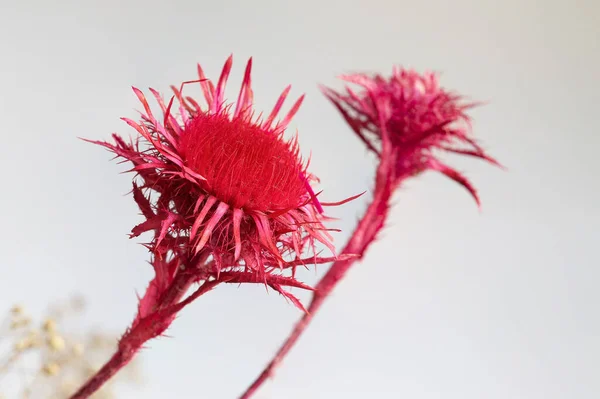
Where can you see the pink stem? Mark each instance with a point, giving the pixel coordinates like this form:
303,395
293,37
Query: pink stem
146,328
364,234
110,368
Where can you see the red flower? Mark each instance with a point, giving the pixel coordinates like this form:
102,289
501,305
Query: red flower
221,188
405,119
228,198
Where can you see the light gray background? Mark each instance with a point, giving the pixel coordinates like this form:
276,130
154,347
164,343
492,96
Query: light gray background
450,303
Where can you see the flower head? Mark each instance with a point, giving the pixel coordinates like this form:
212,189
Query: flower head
218,183
406,119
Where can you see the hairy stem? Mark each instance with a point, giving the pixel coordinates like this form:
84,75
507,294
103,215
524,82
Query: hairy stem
118,360
146,328
364,234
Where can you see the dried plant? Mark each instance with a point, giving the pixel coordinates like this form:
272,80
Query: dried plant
406,120
49,358
227,198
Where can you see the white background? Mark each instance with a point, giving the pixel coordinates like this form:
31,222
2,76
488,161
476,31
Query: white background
450,303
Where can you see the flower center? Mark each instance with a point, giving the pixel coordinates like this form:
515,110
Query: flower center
244,165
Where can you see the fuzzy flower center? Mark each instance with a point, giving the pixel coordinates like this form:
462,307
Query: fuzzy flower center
244,165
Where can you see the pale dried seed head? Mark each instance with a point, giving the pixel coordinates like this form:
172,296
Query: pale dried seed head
19,322
51,369
17,310
23,344
56,342
49,325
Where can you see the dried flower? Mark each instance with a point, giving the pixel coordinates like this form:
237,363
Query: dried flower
56,342
49,325
221,183
35,362
404,120
51,368
227,197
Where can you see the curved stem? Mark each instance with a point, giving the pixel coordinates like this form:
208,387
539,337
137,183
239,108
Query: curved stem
118,360
145,329
364,234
